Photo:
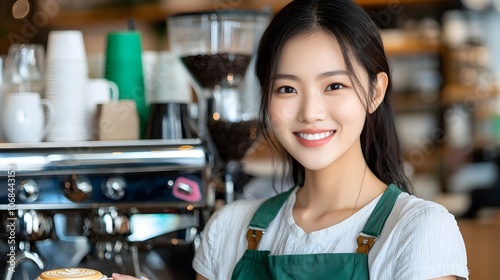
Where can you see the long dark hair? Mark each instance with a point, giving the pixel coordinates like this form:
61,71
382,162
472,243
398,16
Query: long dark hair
359,39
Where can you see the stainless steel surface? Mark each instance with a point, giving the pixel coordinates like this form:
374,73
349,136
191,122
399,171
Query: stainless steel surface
92,157
115,188
28,190
106,173
148,207
22,257
77,188
110,221
133,207
33,225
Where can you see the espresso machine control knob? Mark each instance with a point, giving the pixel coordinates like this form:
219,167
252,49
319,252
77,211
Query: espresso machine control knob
114,188
34,225
77,188
28,190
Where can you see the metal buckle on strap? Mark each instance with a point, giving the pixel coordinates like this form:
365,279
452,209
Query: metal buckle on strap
365,243
253,237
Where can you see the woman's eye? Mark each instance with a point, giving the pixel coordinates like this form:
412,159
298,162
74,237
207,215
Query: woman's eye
286,89
334,87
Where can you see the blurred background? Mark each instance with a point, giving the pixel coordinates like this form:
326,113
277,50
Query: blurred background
445,58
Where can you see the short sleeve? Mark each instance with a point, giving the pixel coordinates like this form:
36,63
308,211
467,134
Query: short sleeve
223,240
430,246
203,262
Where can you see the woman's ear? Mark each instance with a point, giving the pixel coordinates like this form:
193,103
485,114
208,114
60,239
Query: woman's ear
379,91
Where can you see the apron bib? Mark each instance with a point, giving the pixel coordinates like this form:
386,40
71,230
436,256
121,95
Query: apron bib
262,265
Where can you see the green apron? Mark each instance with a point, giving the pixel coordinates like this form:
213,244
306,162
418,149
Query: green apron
261,265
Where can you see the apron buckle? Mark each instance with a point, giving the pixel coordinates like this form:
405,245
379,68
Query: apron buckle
365,243
253,237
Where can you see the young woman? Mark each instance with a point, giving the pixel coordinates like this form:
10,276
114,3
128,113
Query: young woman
326,88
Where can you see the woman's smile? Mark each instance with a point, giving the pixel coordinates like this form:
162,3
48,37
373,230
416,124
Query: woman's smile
314,138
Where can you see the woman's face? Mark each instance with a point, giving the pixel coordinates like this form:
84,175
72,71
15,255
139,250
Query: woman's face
314,109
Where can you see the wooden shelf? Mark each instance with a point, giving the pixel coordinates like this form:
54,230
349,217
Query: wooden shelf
390,3
456,93
411,102
158,12
155,12
412,47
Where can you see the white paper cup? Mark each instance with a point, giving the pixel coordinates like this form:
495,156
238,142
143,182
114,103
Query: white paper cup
66,45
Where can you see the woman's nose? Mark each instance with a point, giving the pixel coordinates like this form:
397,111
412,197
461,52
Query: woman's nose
312,108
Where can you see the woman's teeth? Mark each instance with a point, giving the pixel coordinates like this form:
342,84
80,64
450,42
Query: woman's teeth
316,136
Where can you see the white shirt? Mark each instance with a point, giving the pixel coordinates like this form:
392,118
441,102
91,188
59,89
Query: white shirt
420,239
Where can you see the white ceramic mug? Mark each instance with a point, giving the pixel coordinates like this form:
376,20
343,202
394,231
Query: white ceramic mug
98,91
24,119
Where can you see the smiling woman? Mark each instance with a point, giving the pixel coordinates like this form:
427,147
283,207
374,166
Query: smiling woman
325,98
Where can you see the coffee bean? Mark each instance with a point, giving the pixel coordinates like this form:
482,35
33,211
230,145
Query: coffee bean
223,69
233,139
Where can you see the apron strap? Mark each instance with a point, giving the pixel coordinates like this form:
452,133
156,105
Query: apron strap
264,216
377,219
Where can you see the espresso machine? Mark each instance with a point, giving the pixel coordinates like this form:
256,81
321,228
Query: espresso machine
132,207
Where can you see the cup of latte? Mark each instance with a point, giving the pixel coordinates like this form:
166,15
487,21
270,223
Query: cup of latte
72,274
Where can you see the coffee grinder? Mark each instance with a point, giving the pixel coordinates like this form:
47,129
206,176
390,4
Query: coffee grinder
216,48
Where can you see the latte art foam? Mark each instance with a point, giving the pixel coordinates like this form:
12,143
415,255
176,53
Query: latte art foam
71,273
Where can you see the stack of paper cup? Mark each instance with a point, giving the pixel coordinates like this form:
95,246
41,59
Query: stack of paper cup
65,83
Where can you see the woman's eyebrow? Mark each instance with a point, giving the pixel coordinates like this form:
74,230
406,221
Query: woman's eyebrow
286,77
280,76
332,73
